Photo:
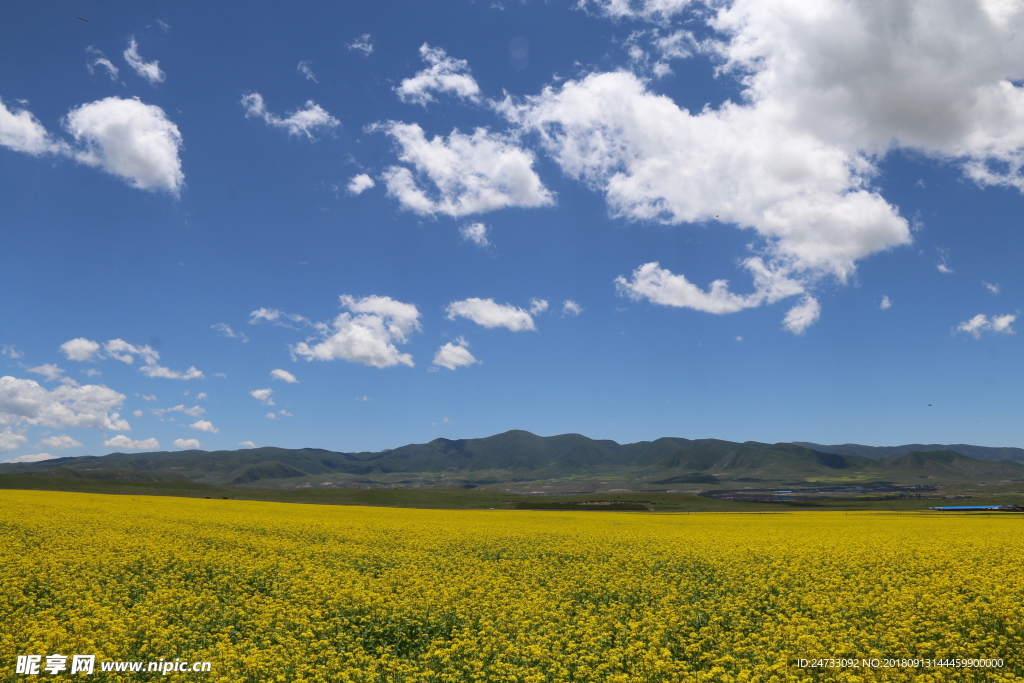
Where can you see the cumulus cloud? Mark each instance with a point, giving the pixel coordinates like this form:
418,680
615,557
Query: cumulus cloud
469,173
128,139
454,355
148,70
571,308
363,43
981,324
366,334
59,442
187,443
475,233
22,132
442,75
80,349
538,306
263,396
9,441
803,315
24,401
359,183
886,303
204,426
284,376
247,444
307,71
490,315
33,458
285,413
98,59
123,442
271,416
225,330
829,88
311,119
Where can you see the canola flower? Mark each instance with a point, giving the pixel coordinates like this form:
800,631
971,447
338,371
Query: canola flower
278,592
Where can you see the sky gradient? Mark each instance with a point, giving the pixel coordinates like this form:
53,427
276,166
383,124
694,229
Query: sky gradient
354,226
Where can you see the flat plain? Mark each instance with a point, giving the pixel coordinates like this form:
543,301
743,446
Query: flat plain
285,592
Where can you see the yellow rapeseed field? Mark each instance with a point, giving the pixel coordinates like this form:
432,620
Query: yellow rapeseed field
277,592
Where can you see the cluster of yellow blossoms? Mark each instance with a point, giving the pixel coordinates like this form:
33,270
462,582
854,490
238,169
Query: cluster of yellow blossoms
279,592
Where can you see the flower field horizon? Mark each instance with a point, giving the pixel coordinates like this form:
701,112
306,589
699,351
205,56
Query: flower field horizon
286,592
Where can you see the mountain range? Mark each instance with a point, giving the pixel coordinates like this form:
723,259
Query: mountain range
568,462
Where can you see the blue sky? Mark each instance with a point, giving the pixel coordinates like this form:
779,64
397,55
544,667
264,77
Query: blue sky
354,226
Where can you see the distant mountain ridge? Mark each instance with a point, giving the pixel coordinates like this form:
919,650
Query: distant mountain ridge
519,456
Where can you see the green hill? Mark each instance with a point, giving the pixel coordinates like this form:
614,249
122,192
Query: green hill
563,463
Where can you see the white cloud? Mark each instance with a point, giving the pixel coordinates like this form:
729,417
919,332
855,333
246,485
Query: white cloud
369,336
285,413
33,458
475,233
803,315
490,315
943,268
80,349
147,397
194,411
247,444
10,352
991,287
363,43
24,401
119,349
123,442
470,173
22,132
304,69
443,75
263,396
59,442
284,376
660,286
100,59
538,306
271,416
363,398
358,184
652,10
201,396
454,355
128,139
312,118
204,426
148,70
91,372
48,370
225,330
571,308
886,303
9,441
138,413
190,444
737,164
981,324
